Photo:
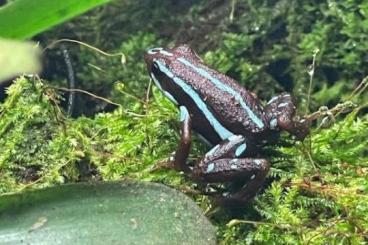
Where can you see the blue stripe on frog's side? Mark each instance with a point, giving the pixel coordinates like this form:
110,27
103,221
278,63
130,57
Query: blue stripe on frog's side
225,88
167,94
220,129
157,83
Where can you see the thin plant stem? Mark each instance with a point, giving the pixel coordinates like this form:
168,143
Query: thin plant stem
311,76
123,58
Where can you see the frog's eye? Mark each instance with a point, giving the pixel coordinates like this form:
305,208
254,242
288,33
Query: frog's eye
154,50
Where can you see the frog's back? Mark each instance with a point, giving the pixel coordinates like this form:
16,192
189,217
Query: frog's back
232,105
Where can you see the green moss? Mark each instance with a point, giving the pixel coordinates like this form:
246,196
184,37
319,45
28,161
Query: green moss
41,144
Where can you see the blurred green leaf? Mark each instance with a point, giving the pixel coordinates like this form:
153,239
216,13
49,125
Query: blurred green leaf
17,58
25,18
103,213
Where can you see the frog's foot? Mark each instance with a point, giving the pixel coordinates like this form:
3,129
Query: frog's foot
282,109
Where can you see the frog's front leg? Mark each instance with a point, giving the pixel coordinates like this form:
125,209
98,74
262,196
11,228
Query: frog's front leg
281,110
222,164
179,160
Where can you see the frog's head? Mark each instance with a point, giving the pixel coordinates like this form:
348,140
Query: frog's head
168,55
155,55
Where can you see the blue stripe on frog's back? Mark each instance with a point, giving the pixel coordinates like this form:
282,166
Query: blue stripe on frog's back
202,72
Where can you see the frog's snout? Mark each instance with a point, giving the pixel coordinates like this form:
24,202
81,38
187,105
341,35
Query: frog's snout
150,55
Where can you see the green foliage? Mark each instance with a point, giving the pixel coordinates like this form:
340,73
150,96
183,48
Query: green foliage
109,77
41,144
130,77
23,19
27,123
344,143
316,192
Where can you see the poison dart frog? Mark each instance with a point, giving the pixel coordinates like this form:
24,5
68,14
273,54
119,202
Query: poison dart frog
225,115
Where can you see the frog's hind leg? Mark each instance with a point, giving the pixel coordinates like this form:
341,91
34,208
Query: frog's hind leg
254,171
281,110
251,172
221,164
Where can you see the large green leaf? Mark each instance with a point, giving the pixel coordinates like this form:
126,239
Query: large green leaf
103,213
26,18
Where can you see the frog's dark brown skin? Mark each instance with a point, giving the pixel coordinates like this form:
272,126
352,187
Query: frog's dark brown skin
225,115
